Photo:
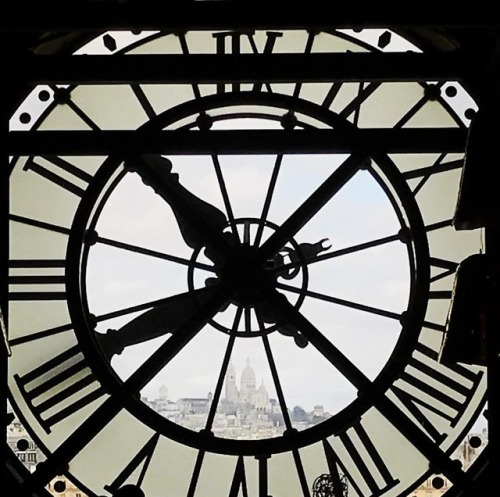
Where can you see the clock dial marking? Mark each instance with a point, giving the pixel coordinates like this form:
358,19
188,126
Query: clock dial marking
39,224
239,480
263,476
427,384
143,457
449,268
53,383
301,473
364,455
196,473
235,48
40,334
79,178
37,278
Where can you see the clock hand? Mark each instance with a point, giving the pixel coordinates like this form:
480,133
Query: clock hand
270,314
308,209
200,223
308,252
156,322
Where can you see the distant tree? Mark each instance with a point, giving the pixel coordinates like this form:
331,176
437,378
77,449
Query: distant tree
299,414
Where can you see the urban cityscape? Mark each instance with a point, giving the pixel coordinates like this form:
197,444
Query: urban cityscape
245,411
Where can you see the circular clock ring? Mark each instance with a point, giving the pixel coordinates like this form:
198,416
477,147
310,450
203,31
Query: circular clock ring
412,234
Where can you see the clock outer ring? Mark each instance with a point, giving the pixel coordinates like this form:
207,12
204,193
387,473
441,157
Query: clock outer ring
294,439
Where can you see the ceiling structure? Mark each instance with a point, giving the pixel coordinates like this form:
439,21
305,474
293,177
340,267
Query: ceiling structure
457,45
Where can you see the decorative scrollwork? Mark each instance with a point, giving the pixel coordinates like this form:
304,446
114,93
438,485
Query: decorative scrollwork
324,486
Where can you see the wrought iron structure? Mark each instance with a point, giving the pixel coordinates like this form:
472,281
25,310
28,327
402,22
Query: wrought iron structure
78,164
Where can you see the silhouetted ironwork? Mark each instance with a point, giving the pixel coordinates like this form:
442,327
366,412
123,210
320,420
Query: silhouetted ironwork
323,487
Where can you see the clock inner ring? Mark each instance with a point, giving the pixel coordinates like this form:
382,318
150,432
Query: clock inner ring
253,282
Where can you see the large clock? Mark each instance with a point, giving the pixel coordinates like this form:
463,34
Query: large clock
143,285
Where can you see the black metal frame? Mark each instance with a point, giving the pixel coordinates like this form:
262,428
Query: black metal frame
26,22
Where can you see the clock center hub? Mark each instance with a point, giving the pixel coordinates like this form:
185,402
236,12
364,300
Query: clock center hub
252,281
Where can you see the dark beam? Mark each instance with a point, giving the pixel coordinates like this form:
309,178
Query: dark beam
210,68
181,15
421,140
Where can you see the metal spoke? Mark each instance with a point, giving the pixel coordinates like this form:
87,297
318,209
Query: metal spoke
154,253
143,100
348,369
223,371
338,253
311,206
225,197
345,303
75,108
269,196
274,374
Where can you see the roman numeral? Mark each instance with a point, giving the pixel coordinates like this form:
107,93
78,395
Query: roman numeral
60,172
428,386
372,477
263,476
57,389
239,480
447,268
230,42
143,457
37,277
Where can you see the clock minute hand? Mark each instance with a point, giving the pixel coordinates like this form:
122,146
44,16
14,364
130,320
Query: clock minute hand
200,223
156,322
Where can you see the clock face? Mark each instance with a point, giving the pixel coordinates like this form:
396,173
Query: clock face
213,321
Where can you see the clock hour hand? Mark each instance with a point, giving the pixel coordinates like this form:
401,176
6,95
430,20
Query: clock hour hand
156,322
200,223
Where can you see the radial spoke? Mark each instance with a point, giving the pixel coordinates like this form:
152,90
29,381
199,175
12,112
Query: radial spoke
154,253
269,196
248,320
337,253
311,206
225,196
129,310
63,96
223,371
274,373
345,303
322,344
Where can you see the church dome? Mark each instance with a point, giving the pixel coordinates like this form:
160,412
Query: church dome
248,374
